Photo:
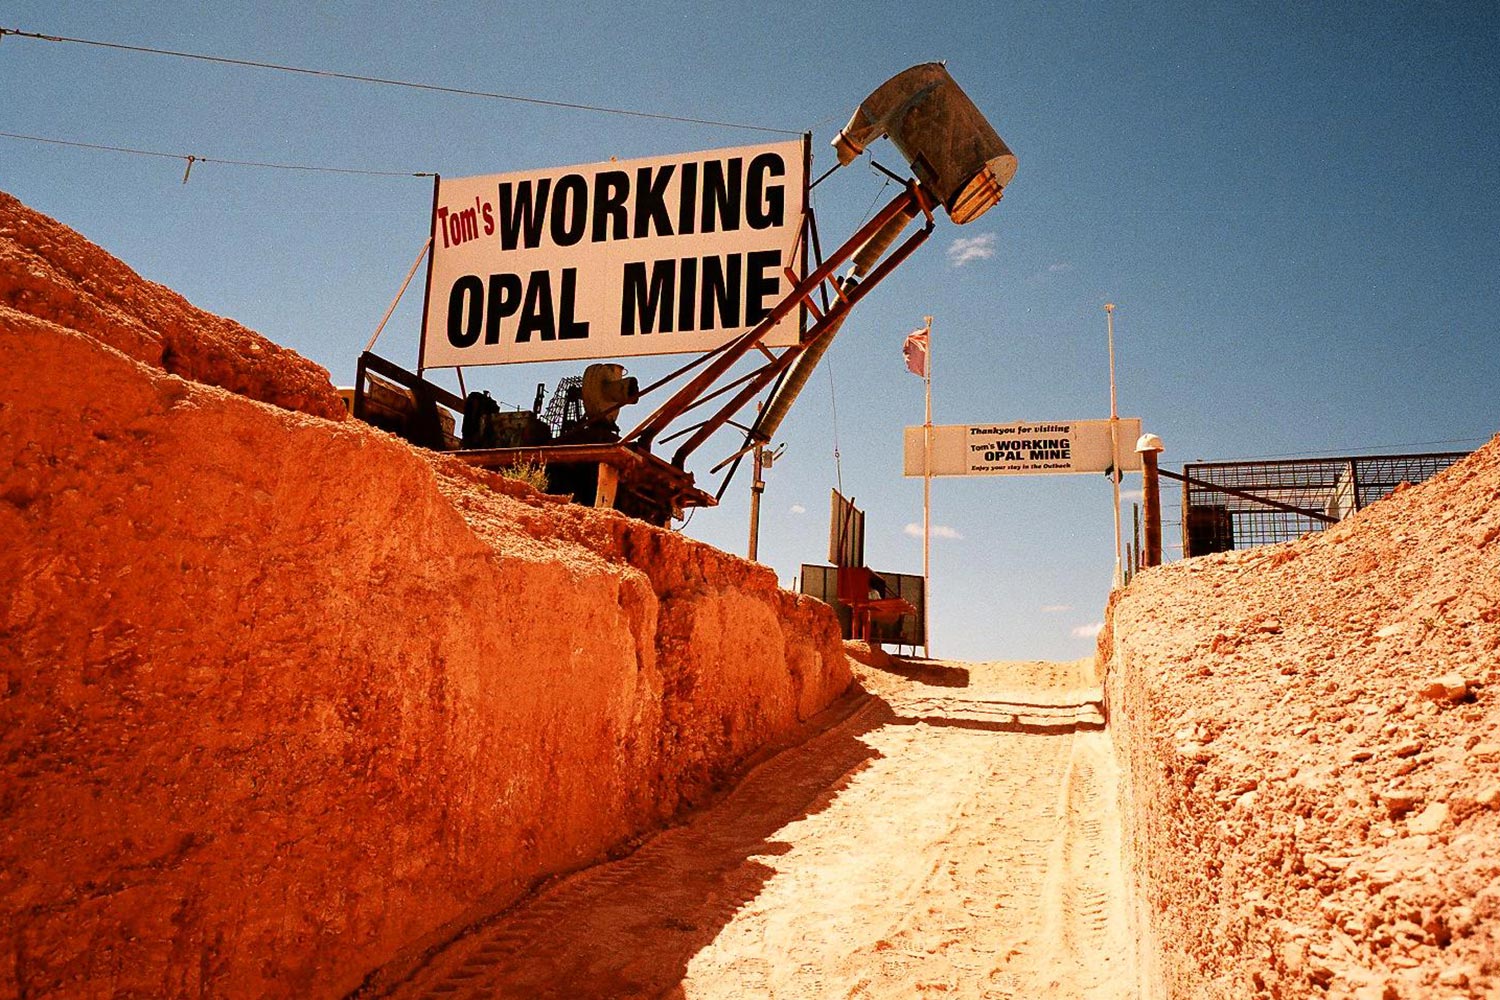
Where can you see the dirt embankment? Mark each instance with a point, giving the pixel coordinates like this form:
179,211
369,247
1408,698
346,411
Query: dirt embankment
1312,737
284,696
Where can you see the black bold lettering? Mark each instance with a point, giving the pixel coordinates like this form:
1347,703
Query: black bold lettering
646,309
569,328
611,188
687,293
721,292
758,285
570,216
465,311
722,194
505,299
536,312
522,213
651,201
687,202
765,205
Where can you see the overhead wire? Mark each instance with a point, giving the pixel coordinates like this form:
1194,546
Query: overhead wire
875,200
390,82
827,365
838,472
833,402
192,158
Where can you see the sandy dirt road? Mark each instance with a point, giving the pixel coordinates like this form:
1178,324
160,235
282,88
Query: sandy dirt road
953,832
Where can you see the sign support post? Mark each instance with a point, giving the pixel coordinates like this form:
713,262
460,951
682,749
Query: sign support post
927,500
757,487
1148,447
432,234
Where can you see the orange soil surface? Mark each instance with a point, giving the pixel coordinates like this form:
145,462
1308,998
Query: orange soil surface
1312,739
951,833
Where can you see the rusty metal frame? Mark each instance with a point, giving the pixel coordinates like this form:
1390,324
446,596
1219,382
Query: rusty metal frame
690,395
1264,501
822,328
426,397
640,472
1316,515
369,362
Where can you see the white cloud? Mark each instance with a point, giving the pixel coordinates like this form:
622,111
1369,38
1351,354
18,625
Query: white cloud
938,531
797,508
1054,609
966,250
1088,631
1051,271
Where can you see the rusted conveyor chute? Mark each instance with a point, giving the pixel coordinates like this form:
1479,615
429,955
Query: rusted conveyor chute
960,163
847,294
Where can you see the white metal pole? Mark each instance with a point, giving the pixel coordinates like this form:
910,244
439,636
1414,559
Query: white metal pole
927,501
1114,443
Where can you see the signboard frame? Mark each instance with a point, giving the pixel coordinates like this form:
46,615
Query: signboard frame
611,291
846,531
1022,448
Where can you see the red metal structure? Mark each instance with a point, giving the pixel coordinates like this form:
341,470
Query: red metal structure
863,592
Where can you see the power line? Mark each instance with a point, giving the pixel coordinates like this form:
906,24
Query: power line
386,82
833,403
192,158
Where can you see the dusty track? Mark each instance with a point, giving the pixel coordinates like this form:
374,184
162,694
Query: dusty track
954,833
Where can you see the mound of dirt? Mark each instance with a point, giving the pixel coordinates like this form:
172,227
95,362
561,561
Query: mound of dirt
1313,737
287,701
50,273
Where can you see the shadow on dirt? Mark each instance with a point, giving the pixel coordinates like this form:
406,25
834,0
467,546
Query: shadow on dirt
932,672
629,928
1015,724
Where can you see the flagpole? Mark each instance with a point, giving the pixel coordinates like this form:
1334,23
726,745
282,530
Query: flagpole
1114,444
927,502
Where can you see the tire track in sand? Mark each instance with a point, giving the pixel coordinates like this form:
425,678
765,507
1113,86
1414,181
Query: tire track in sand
954,834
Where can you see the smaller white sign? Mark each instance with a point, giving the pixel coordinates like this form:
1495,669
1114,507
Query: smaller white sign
1023,448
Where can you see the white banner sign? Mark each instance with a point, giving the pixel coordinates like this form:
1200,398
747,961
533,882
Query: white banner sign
1023,449
653,256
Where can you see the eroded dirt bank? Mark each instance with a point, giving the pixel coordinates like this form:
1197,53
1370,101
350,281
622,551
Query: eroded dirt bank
950,833
1312,744
286,700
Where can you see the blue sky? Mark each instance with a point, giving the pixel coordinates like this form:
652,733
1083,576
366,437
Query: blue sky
1293,206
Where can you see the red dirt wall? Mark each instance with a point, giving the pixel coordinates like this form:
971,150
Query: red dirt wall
1311,739
286,699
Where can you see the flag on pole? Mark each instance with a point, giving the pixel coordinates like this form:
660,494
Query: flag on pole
915,350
